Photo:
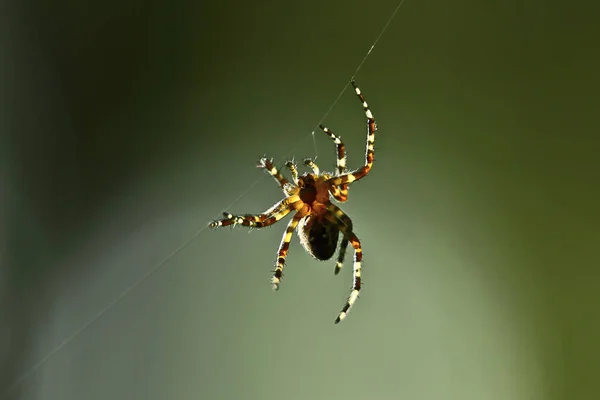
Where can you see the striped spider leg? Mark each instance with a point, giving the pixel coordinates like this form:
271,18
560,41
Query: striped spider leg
267,218
344,224
369,154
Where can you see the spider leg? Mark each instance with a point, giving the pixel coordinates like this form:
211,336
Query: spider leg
311,164
341,194
341,256
356,283
293,170
334,190
283,251
369,155
340,218
269,217
267,164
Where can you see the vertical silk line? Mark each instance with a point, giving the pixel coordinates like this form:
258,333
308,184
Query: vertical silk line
162,263
315,146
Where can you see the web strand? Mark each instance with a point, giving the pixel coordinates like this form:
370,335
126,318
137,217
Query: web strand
174,253
381,32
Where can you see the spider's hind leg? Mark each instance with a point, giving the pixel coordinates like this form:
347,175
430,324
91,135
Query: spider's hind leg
356,282
347,223
345,226
283,251
341,256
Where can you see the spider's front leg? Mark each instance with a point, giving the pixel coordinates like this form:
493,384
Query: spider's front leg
312,165
370,153
339,193
269,217
293,170
267,165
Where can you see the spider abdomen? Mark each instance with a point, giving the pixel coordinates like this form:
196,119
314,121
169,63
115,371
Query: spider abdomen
318,236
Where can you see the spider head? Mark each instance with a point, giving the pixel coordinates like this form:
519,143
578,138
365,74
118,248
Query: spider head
308,190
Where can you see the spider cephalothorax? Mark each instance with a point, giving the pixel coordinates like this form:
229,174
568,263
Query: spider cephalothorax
318,220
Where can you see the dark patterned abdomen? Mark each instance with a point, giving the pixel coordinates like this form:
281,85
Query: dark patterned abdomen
319,237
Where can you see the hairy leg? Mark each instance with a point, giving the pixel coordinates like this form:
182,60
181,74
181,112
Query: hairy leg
341,192
283,251
370,153
269,217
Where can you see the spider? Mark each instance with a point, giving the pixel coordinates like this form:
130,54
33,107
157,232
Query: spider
318,221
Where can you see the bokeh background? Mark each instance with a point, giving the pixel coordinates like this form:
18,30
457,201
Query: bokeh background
127,126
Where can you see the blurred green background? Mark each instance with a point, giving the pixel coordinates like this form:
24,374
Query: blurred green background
128,126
